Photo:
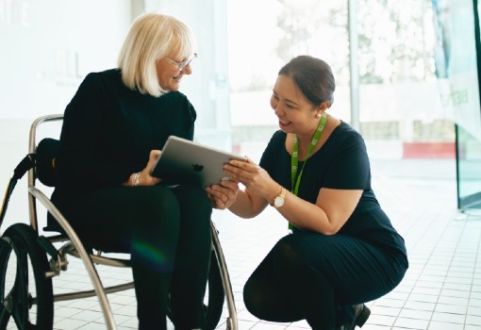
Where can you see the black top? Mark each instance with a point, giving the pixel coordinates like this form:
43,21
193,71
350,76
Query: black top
109,130
341,163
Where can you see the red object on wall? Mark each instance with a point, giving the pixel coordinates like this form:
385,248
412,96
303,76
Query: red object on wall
429,150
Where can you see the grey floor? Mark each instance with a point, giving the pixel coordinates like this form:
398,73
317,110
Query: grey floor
441,290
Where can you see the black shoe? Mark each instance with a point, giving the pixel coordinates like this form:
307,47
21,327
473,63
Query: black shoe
361,314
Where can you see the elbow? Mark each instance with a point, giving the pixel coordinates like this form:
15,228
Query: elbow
242,214
330,232
331,229
245,216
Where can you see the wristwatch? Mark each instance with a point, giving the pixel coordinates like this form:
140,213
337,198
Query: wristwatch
280,199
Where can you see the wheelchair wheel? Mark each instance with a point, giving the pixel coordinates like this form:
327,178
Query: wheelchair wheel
19,294
214,299
5,250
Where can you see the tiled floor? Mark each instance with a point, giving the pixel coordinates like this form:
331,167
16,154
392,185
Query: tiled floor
441,290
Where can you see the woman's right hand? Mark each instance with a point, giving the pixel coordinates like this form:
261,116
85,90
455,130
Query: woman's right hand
223,194
144,177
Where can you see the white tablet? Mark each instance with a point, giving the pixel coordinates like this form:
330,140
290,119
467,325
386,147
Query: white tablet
184,161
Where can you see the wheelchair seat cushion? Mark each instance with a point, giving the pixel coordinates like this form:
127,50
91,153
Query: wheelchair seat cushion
46,153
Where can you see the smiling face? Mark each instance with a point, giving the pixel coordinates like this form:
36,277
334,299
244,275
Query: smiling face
296,114
168,72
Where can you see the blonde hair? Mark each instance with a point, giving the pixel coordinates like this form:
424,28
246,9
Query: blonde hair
152,37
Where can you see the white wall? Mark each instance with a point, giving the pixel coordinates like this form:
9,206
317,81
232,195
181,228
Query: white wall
46,48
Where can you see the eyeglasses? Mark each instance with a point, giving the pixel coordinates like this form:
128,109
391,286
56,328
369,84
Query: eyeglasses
182,64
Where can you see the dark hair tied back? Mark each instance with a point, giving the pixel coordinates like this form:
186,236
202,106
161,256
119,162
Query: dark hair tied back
313,76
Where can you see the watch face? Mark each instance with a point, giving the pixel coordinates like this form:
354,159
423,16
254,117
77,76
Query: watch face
278,201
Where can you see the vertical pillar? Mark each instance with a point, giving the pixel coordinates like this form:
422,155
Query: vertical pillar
353,63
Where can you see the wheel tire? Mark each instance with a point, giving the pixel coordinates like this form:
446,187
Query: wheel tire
5,250
23,241
215,299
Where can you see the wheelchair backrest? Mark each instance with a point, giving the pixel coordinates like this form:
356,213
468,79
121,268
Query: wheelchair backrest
45,161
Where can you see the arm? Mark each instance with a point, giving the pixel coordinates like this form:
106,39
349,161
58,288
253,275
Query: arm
330,212
332,209
82,161
248,205
346,178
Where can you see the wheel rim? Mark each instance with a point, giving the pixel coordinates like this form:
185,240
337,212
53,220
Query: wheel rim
30,267
6,303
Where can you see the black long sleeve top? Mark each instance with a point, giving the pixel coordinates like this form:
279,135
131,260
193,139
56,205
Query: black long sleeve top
108,132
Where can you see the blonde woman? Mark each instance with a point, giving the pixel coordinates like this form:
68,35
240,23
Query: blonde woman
113,129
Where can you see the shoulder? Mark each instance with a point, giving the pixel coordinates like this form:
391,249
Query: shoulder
101,78
111,74
176,97
277,142
278,137
180,101
345,135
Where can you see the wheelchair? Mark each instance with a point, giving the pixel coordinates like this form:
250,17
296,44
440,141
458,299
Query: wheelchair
40,258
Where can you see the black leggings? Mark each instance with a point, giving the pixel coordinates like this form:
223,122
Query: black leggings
311,276
167,232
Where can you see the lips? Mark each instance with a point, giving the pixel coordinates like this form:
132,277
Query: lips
284,124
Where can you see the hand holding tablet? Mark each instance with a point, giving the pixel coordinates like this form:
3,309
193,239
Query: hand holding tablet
184,161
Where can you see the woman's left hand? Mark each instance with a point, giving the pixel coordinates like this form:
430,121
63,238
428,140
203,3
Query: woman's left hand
254,177
223,194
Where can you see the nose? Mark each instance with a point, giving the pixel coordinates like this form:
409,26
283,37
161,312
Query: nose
278,109
186,69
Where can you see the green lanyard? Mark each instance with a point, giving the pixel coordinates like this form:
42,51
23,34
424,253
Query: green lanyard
296,178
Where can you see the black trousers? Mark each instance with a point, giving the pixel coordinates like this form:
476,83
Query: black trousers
315,277
167,232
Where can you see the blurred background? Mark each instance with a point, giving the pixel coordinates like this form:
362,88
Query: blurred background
407,72
408,77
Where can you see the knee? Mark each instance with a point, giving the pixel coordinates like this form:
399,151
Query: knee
196,199
157,204
253,298
286,251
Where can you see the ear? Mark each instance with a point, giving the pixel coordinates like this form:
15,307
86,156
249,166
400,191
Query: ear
324,105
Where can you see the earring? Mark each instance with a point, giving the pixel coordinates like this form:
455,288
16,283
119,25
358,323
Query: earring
318,115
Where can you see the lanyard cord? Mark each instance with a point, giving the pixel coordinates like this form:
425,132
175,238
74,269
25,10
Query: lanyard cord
296,178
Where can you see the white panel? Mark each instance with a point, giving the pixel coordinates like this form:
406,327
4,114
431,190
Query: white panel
48,46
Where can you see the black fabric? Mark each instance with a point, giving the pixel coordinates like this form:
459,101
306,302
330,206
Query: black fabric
167,232
309,276
316,277
109,130
107,134
341,163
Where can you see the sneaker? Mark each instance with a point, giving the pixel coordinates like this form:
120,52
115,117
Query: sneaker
361,314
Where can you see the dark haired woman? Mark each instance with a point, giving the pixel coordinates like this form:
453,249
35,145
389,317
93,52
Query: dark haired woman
343,250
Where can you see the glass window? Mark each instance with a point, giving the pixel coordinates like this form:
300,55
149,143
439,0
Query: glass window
261,41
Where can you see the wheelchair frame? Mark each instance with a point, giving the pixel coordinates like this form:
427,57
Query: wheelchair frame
76,248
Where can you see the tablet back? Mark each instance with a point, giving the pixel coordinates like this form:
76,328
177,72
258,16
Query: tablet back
184,161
